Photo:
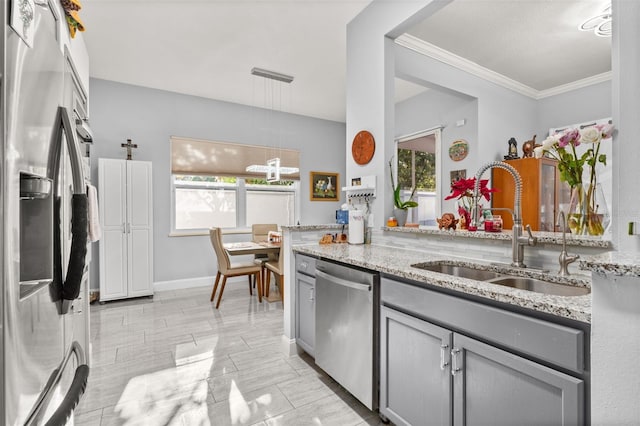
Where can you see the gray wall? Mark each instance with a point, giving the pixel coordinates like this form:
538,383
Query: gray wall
441,108
502,113
499,113
150,117
578,106
370,86
434,108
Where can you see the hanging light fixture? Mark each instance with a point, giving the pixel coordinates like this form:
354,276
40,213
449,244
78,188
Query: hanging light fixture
269,168
599,24
272,168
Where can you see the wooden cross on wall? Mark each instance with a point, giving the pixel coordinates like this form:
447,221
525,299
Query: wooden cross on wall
129,146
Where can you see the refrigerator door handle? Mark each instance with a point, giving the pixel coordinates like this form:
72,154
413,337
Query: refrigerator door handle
70,288
71,399
79,186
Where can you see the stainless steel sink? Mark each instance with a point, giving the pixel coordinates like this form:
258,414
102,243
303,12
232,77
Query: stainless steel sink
504,278
539,286
459,271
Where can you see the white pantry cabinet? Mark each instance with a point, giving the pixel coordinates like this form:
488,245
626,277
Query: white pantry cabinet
126,215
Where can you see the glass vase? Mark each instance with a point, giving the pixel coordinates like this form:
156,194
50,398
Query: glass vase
464,207
588,211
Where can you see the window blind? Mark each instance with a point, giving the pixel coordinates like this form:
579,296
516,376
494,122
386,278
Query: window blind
204,157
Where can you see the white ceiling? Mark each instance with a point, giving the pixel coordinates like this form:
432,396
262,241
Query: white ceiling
207,48
534,42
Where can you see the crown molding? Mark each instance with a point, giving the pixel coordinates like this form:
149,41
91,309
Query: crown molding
444,56
578,84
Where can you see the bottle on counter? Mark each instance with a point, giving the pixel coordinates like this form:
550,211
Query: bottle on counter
493,224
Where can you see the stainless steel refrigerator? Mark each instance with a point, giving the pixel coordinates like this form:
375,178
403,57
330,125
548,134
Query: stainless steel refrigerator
43,224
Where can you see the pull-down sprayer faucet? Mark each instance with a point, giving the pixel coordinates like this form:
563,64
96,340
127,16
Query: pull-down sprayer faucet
518,240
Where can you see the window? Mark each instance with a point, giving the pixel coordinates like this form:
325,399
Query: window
211,187
201,202
204,201
417,168
265,205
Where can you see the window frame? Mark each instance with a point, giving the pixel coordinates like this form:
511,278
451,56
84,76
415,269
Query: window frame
241,188
437,133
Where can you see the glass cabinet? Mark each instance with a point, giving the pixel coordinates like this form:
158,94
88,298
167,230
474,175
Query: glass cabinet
543,194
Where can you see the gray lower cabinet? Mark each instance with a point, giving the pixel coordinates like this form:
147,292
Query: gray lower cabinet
431,375
305,303
305,312
415,386
494,387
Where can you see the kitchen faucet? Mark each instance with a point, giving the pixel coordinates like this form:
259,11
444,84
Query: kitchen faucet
518,241
565,259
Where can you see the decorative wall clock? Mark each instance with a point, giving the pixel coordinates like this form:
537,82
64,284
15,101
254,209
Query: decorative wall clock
363,147
458,150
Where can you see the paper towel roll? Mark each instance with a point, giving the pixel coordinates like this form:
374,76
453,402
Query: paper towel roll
356,227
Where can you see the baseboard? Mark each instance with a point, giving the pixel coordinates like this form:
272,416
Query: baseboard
183,283
289,347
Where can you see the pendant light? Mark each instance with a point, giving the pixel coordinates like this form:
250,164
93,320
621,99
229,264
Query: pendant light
600,24
272,168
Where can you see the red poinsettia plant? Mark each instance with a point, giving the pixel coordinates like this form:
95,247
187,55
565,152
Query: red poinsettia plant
463,190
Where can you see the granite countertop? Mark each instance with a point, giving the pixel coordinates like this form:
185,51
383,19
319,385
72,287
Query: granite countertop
616,263
543,237
313,227
397,262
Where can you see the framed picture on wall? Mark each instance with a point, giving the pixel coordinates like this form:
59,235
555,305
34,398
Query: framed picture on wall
324,186
456,175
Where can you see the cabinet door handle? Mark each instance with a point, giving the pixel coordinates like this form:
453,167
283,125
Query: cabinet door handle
443,355
311,294
454,361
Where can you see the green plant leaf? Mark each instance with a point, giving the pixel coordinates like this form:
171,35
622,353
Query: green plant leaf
397,199
603,159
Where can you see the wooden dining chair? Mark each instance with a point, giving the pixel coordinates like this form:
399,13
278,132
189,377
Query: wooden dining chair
277,267
260,233
227,269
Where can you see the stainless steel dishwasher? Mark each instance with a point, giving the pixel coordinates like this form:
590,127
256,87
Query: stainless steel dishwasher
347,310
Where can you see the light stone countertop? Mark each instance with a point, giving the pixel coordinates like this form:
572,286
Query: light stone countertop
313,227
397,262
616,263
543,237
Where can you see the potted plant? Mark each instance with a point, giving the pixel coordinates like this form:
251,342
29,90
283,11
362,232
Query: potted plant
400,206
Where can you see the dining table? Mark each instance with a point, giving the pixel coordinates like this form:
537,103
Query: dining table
252,248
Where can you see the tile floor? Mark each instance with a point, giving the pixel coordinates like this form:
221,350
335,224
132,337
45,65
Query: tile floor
176,360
